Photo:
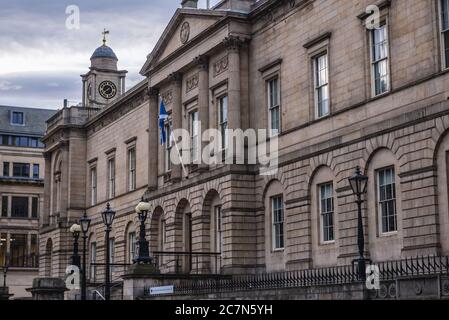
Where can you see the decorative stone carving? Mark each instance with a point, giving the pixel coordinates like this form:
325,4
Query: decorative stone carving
445,287
167,97
192,82
233,43
202,62
152,92
175,78
185,32
221,65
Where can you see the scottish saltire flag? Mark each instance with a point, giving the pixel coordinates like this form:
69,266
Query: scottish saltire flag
163,115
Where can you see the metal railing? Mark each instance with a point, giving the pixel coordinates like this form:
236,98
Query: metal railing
96,280
188,262
390,270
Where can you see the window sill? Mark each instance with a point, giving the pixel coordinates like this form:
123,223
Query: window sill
388,234
327,243
280,250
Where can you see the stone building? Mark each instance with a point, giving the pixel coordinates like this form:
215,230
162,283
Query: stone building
335,91
21,193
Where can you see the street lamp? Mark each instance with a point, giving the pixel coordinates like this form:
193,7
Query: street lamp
359,183
75,230
108,217
85,224
143,256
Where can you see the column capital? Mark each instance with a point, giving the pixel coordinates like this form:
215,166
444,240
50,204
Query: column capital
47,155
153,92
202,62
175,77
233,43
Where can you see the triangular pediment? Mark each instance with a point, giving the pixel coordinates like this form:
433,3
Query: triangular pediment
185,26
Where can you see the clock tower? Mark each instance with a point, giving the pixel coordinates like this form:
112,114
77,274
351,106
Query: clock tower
104,83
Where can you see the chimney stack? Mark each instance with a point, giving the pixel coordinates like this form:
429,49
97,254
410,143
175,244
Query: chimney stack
193,4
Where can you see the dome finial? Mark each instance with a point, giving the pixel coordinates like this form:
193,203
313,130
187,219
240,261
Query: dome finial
104,33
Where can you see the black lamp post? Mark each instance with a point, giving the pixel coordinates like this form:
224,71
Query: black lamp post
75,230
143,256
359,183
108,217
85,224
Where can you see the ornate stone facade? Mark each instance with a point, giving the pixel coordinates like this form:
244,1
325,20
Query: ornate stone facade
227,210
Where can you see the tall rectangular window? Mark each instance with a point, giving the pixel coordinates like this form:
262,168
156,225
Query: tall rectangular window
111,178
6,169
445,32
18,250
93,186
93,260
387,200
274,114
321,72
34,207
223,121
277,213
219,228
3,249
19,207
168,145
132,169
4,206
33,260
326,212
194,135
379,60
36,171
112,253
17,118
131,246
21,170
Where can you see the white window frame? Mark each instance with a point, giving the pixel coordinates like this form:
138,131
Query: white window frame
131,246
380,212
444,63
112,254
111,177
323,213
318,87
374,62
194,136
274,224
223,123
12,117
93,186
168,145
273,106
93,259
218,229
132,167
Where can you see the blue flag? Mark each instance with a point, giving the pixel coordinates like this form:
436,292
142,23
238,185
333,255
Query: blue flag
163,115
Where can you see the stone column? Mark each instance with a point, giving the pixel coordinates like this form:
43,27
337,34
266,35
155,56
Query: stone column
203,102
153,141
233,45
176,80
84,93
45,213
64,181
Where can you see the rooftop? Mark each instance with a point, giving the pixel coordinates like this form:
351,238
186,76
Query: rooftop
29,121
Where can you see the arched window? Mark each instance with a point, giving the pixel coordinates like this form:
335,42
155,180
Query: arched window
384,206
275,231
324,220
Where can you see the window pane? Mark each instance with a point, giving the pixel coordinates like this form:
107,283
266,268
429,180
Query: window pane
387,199
277,212
35,171
19,207
4,206
21,170
18,249
6,169
3,249
34,207
444,14
326,212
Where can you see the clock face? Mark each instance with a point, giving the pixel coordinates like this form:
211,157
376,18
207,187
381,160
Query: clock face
107,89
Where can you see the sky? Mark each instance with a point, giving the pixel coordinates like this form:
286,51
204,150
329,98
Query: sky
41,60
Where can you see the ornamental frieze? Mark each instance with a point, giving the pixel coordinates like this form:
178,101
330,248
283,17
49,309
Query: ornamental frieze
167,97
192,82
221,65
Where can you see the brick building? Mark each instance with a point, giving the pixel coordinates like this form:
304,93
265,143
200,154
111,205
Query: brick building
336,93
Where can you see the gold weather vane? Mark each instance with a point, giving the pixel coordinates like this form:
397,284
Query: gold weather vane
104,33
